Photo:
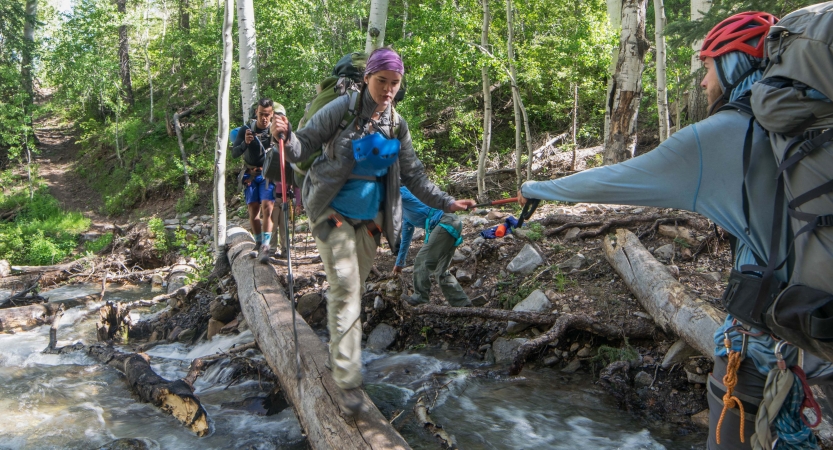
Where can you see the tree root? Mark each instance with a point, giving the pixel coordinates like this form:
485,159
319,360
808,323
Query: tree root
483,313
605,225
639,329
421,412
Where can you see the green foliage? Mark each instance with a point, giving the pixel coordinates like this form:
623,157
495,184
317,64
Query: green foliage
682,242
511,293
188,199
535,231
561,281
607,355
41,233
100,243
159,234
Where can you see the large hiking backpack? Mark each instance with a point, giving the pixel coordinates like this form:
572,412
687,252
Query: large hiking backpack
792,102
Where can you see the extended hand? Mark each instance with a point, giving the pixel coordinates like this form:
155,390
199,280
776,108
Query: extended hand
521,198
462,205
280,125
249,136
397,270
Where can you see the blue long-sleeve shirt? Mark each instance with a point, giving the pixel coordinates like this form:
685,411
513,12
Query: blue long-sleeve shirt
414,215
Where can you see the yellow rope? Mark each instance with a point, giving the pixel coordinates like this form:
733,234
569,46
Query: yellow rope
730,380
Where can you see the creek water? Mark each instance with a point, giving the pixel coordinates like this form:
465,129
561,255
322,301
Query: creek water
70,401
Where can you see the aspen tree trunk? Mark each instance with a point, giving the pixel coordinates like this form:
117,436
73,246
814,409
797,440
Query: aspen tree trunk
698,103
376,25
184,15
247,55
614,17
124,54
28,48
627,84
662,85
404,17
147,58
575,120
487,109
520,111
222,138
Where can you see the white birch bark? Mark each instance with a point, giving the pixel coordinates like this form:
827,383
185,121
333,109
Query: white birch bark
376,25
222,136
28,47
487,109
697,100
662,85
627,84
247,55
147,57
614,17
575,122
516,96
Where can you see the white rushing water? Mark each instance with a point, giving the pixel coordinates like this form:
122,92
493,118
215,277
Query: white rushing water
70,401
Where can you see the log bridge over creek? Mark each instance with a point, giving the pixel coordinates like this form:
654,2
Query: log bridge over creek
268,311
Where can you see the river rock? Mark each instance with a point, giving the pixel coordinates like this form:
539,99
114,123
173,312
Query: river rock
528,259
214,327
679,352
458,256
584,352
463,275
5,268
187,335
128,444
642,379
573,366
695,378
478,284
714,276
171,221
536,302
574,263
665,252
222,311
505,349
378,303
550,361
572,233
197,229
495,215
480,300
205,218
191,221
381,337
308,306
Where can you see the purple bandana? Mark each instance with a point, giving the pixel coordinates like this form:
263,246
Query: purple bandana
384,59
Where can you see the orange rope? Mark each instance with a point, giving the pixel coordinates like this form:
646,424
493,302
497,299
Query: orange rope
730,380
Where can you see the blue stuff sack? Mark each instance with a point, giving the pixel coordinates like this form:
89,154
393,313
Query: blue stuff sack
374,152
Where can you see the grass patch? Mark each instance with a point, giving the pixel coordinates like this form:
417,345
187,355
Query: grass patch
607,355
99,244
41,233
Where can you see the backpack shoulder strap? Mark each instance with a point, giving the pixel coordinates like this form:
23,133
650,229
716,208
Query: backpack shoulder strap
743,104
350,114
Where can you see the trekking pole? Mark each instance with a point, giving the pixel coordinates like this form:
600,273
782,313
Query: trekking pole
494,203
289,281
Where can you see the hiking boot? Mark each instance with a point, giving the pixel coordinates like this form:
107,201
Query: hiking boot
350,401
414,300
263,254
253,252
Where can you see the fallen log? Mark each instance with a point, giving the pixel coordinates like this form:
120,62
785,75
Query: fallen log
567,322
267,311
25,317
662,296
52,348
173,397
23,297
200,364
421,413
484,313
54,268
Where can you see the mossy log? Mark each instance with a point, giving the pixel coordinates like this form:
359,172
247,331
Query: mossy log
268,312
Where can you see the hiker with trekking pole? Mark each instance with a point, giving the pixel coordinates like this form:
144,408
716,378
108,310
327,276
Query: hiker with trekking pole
251,142
762,157
351,195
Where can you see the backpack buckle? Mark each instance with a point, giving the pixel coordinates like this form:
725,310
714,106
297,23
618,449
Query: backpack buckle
824,221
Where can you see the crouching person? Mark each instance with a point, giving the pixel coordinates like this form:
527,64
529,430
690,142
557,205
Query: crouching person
351,195
442,235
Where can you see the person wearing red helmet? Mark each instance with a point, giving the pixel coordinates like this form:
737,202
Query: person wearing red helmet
706,168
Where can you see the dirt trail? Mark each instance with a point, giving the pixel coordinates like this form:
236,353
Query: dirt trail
57,159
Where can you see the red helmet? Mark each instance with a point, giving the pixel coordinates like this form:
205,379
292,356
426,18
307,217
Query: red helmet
733,33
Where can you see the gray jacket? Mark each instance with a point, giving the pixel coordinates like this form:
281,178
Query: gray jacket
331,170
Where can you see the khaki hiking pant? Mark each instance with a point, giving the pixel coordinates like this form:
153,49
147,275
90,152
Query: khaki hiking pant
347,255
280,231
433,260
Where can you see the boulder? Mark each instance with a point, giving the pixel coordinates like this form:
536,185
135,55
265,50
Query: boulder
528,259
495,215
572,233
222,310
504,349
574,263
381,337
665,252
642,379
463,275
214,327
536,302
679,352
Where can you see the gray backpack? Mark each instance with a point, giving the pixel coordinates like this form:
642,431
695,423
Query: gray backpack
792,102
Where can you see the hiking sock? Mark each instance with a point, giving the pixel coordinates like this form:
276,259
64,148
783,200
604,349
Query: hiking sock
267,237
258,239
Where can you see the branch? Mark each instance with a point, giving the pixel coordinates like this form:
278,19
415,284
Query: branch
484,313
